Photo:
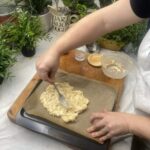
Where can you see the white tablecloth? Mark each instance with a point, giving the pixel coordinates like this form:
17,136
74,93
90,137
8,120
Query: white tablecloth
12,136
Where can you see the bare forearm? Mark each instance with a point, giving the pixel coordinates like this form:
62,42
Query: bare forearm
140,126
115,16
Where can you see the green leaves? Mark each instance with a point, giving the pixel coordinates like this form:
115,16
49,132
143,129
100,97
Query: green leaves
7,59
132,33
28,29
8,34
79,7
37,7
7,53
24,31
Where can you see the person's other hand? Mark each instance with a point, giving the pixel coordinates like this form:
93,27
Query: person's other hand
47,65
106,125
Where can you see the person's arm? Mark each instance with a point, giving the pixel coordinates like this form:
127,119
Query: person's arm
88,29
140,126
113,17
105,125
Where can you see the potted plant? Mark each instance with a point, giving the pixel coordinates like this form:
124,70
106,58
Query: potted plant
80,7
118,39
23,34
28,32
7,59
39,8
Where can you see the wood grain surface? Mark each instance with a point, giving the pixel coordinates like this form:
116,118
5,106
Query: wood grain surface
68,64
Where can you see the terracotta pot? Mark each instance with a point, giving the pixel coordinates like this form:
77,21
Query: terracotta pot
28,52
6,12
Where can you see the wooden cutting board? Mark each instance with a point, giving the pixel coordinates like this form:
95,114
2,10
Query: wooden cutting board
69,64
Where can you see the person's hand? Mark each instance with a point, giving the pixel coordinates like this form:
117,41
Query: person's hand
47,65
106,125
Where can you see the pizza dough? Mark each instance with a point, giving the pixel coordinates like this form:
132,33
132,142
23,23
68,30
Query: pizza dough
77,101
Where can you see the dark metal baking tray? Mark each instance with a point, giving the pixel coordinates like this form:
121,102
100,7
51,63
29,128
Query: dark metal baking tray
50,129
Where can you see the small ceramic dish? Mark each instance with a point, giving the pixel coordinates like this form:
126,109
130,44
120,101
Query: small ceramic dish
95,59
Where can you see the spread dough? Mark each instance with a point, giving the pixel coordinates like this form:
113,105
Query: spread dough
77,101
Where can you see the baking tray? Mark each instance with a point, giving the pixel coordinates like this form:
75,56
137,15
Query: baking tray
52,130
18,115
101,96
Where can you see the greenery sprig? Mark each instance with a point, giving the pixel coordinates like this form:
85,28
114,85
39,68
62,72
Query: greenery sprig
79,7
37,7
7,59
29,29
133,33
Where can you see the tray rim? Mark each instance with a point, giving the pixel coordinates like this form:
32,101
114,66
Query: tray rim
78,76
26,120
